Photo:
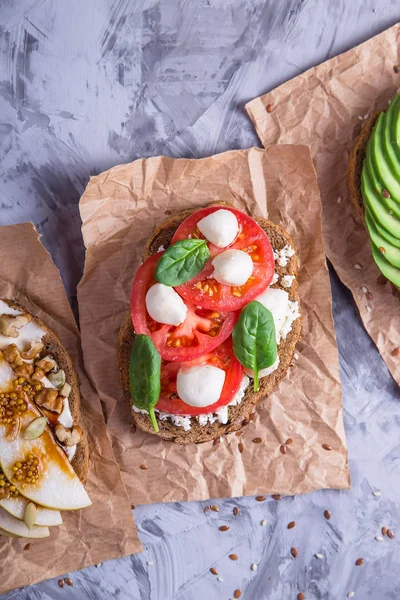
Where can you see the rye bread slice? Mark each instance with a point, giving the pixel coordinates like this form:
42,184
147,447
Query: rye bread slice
356,161
238,416
53,346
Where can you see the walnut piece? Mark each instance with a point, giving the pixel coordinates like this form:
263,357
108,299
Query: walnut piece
68,437
10,324
47,364
34,350
12,355
24,370
38,374
49,398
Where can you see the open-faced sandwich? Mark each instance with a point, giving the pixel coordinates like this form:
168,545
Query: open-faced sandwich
213,324
44,453
374,181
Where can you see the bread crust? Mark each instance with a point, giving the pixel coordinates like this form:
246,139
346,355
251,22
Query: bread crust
356,161
53,346
238,416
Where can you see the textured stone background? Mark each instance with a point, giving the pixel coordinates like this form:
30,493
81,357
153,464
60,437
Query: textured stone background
87,84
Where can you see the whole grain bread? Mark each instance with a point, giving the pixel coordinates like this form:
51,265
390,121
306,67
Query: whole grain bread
356,161
53,346
238,416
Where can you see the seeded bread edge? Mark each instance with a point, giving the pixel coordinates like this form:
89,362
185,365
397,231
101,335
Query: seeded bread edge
53,346
238,416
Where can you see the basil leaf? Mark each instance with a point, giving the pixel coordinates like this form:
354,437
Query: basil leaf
254,339
144,375
182,261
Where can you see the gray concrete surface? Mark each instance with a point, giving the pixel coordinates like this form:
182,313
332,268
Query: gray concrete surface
87,84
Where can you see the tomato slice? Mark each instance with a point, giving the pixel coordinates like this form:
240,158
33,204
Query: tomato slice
202,330
221,357
203,290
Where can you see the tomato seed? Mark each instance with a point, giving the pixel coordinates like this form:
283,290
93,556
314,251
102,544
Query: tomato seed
294,552
214,507
291,524
327,514
390,533
224,528
236,511
283,449
257,440
289,441
260,498
214,571
326,447
241,447
359,562
233,556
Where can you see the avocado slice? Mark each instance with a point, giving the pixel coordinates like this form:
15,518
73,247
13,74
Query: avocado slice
372,199
378,169
391,253
388,237
389,271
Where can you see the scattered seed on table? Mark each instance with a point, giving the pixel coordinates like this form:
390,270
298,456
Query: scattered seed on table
294,552
143,467
237,594
98,565
377,493
68,581
350,595
214,571
291,524
283,448
254,567
214,507
240,447
327,514
233,556
216,442
384,531
319,555
207,509
327,447
396,352
300,596
358,266
150,563
253,416
390,533
276,496
236,511
257,440
220,579
61,583
359,562
263,523
269,108
289,441
260,498
223,528
379,538
27,547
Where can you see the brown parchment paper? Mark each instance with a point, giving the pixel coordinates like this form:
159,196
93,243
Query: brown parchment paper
106,529
119,210
324,108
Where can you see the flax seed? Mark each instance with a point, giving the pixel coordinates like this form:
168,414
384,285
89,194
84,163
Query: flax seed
283,449
223,528
214,571
236,511
68,581
294,552
233,556
27,547
276,496
253,416
260,498
291,524
384,531
289,441
143,467
359,562
327,514
327,447
385,193
214,507
61,583
390,533
237,594
300,596
257,440
269,108
241,447
396,352
207,509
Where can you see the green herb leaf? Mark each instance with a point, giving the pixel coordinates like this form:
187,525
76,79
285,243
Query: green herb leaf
182,261
144,375
254,339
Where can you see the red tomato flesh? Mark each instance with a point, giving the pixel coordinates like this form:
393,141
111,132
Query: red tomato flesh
203,290
201,332
221,357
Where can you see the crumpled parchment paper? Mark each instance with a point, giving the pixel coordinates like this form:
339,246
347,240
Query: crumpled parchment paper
119,209
106,529
324,107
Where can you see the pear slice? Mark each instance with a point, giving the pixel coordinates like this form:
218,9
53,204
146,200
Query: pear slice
44,516
58,486
12,525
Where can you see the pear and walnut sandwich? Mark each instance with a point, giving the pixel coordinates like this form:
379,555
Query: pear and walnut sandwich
44,453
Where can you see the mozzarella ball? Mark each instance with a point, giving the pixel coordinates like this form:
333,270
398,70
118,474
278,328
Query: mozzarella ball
264,372
220,227
232,267
164,305
277,301
200,385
